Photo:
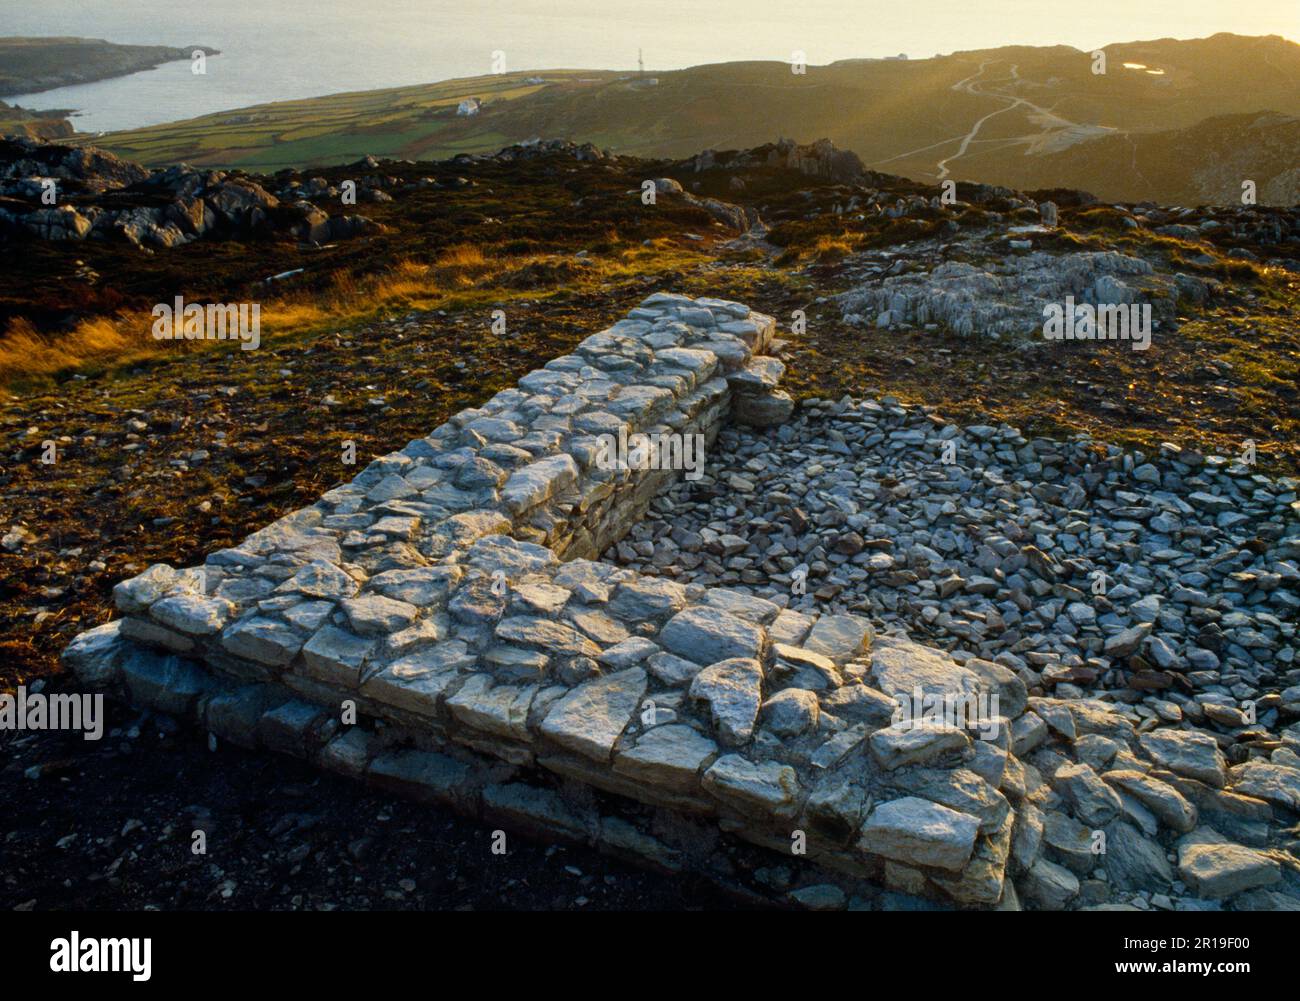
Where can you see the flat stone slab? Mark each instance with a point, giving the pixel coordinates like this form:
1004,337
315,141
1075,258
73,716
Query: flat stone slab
591,717
1195,755
733,691
1222,870
841,637
920,832
667,756
708,635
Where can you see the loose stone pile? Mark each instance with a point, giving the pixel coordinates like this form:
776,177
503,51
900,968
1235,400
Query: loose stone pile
1145,610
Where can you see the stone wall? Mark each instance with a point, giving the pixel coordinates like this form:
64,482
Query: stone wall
450,593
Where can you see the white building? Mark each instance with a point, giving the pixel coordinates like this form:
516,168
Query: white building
469,106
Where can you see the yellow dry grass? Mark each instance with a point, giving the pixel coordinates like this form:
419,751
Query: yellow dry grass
29,358
26,353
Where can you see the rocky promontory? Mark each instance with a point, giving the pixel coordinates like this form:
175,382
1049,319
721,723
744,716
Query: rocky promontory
29,65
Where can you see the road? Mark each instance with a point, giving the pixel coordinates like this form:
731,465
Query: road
1054,131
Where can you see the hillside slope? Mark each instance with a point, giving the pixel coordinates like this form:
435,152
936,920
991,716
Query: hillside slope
1206,163
1020,116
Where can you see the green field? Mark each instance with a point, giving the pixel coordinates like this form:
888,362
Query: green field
417,122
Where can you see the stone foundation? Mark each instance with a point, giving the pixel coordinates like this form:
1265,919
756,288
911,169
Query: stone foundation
450,595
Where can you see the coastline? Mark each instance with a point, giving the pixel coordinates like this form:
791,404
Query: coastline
27,63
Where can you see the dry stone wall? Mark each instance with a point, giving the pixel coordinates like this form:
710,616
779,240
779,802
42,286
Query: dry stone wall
450,593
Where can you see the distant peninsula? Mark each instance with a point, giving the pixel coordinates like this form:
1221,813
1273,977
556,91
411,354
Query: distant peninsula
28,65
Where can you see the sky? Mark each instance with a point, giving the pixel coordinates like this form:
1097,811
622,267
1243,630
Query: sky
714,30
838,29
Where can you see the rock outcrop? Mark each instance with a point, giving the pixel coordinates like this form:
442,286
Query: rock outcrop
99,196
1008,296
821,160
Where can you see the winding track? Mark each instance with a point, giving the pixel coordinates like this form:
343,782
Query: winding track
975,86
